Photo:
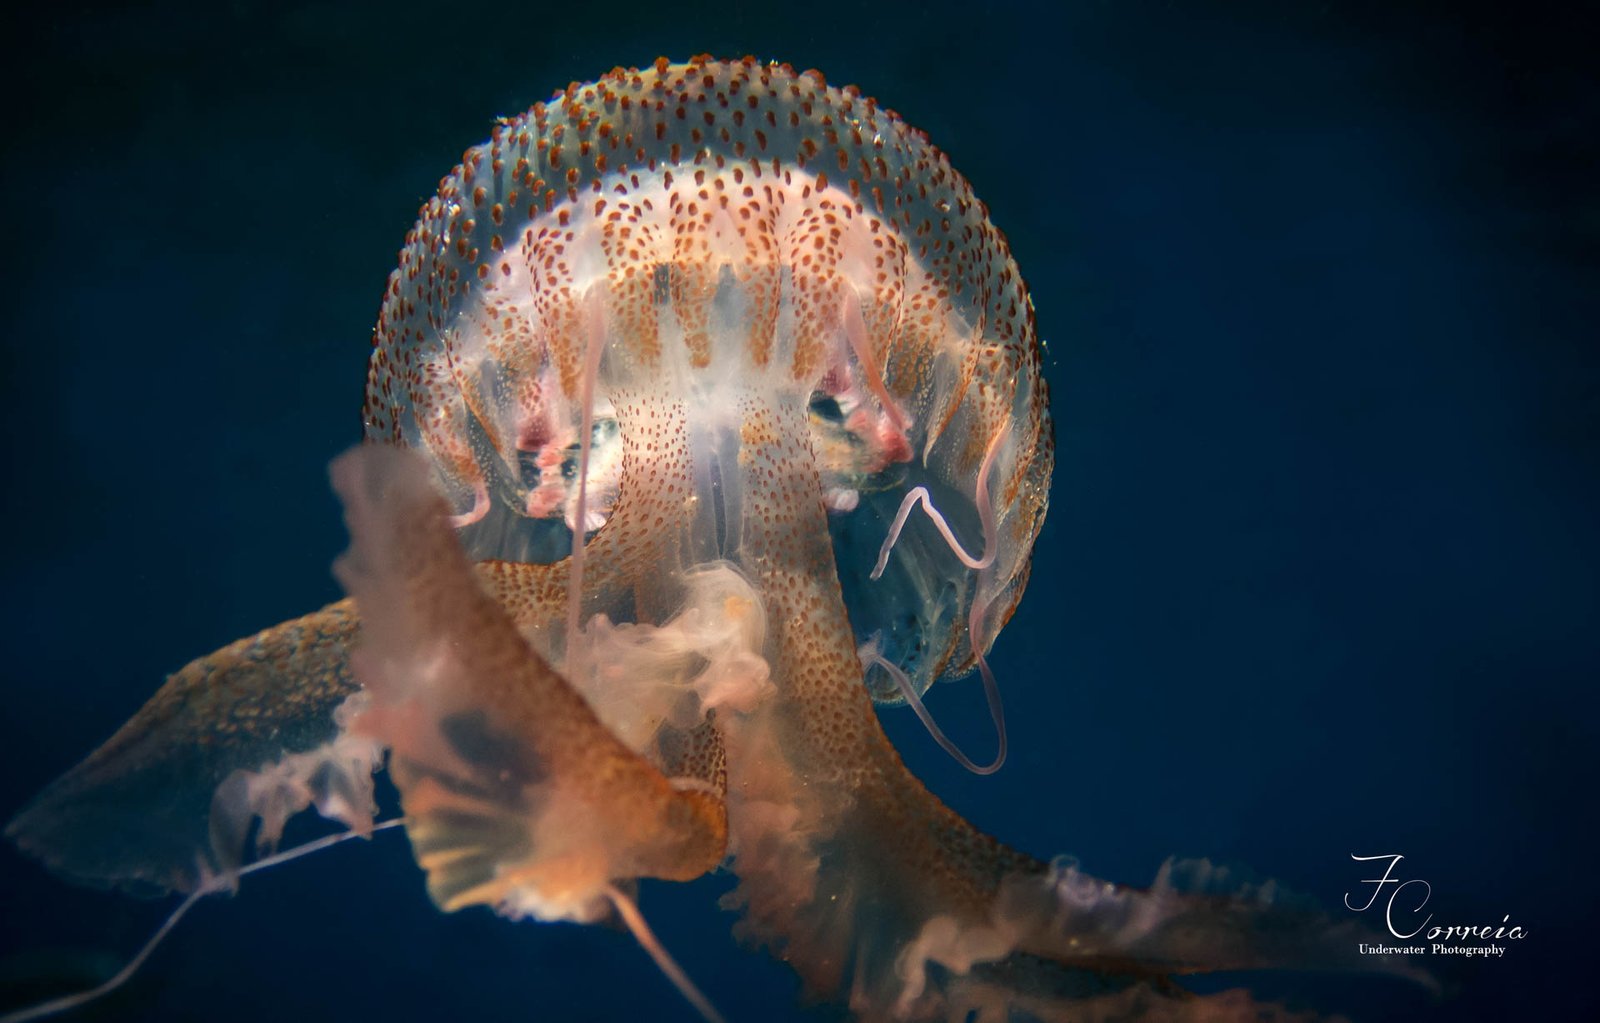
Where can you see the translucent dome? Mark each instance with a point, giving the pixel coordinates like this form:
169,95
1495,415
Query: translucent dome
702,234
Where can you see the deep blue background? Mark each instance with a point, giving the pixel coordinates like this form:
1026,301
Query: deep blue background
1321,574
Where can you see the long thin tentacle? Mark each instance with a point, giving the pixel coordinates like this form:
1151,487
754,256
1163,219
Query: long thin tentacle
663,959
66,1003
870,657
985,517
980,606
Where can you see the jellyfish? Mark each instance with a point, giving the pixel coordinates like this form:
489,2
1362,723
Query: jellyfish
704,412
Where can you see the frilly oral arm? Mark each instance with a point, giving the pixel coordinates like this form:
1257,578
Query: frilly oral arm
516,795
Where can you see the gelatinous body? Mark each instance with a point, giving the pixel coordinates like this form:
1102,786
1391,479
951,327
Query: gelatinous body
668,354
724,237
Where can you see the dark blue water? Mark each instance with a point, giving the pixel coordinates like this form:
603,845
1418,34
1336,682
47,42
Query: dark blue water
1321,574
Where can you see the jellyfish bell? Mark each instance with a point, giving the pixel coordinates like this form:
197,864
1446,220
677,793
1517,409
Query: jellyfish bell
729,240
705,409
